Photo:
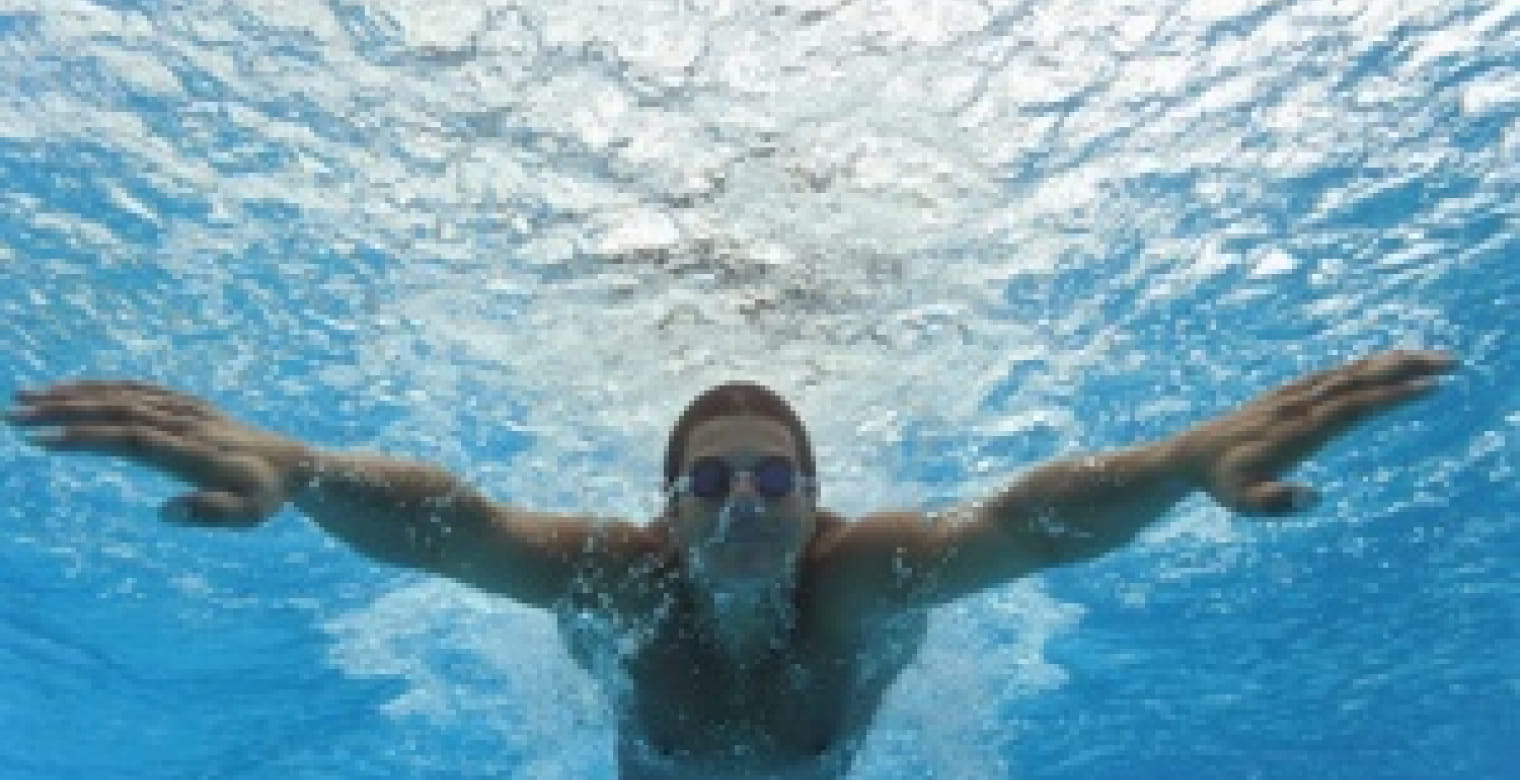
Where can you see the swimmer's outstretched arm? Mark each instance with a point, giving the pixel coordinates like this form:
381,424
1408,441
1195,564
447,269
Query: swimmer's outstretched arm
395,511
1076,509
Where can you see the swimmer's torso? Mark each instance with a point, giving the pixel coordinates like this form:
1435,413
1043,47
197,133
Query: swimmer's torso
685,710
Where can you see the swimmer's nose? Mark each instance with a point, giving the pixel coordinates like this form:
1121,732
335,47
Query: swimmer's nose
744,484
741,518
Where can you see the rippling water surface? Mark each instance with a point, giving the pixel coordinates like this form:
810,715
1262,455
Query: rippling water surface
515,238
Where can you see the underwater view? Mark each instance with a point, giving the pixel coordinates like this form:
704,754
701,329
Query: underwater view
961,237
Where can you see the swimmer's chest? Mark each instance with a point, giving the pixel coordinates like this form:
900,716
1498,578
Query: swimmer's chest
800,700
688,698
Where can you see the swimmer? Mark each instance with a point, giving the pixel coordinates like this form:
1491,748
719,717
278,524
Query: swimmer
753,632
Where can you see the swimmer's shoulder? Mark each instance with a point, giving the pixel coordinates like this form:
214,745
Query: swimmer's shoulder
866,538
853,567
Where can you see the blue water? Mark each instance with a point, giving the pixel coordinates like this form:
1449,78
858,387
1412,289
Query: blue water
514,238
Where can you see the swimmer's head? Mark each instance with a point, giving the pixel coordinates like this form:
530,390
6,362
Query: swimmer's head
736,399
741,481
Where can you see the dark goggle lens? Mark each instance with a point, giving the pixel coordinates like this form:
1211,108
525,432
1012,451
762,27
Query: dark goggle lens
713,477
710,478
774,477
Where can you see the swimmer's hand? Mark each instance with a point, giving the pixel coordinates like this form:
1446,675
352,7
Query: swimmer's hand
1239,457
242,475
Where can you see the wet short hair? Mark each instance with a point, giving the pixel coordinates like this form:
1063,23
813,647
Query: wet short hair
734,399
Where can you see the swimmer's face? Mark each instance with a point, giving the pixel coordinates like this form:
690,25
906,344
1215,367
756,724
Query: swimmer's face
743,535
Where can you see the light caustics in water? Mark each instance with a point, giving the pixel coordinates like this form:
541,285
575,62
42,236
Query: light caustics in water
596,213
938,227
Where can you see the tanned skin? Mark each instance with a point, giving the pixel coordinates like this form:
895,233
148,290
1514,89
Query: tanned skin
724,682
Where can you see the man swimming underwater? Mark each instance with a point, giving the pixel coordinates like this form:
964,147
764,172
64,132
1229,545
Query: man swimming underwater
755,632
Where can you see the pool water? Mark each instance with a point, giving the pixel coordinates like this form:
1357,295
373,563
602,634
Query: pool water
514,238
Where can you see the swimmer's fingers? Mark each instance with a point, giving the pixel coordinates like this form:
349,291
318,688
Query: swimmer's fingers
254,488
1386,370
84,395
215,508
1350,408
59,411
1275,499
242,475
1292,439
133,394
172,454
104,387
1246,477
1240,457
161,433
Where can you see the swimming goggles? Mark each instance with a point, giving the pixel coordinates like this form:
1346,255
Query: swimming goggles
773,476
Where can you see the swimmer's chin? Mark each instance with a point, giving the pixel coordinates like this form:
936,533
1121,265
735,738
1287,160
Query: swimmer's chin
745,560
751,541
